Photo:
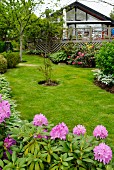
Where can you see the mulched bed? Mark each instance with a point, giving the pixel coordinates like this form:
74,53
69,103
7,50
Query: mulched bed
104,86
51,83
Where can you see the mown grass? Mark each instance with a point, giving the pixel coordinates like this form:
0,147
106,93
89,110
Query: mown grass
76,100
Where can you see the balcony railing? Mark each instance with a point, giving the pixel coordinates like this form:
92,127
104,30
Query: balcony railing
89,34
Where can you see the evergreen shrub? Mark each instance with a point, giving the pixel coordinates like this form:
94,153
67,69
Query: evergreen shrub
3,64
2,46
105,58
12,59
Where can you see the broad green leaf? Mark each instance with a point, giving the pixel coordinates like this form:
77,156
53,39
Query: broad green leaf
31,167
1,143
65,163
37,167
55,156
88,160
1,163
68,159
14,156
48,158
88,149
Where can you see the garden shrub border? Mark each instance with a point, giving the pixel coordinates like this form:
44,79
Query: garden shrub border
38,146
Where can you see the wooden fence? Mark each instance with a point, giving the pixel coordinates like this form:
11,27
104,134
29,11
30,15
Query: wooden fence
80,36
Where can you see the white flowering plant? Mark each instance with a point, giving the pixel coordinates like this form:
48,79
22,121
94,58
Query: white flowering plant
106,79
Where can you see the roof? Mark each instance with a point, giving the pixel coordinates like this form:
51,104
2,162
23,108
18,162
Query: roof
90,11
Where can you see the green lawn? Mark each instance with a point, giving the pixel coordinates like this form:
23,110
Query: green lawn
76,100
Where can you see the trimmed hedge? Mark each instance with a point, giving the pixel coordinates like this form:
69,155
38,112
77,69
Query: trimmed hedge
3,64
12,59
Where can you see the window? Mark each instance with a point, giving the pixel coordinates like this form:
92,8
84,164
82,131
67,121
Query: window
80,15
71,15
91,18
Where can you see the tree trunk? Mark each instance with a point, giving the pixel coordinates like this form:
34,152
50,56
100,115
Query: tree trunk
21,43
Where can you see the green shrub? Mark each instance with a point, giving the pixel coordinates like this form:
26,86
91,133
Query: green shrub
3,64
12,59
57,57
105,58
2,46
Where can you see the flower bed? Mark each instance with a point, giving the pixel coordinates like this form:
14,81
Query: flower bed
41,145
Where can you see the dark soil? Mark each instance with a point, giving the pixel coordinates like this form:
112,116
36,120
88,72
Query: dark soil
50,83
104,86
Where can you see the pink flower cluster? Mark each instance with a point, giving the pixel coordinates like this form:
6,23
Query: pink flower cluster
103,153
100,132
79,130
4,110
59,131
80,54
40,120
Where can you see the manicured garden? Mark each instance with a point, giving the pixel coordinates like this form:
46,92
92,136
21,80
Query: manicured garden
76,107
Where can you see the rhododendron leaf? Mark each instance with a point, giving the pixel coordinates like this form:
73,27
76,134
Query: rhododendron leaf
109,167
1,163
37,167
79,162
1,143
32,148
68,159
55,156
8,155
41,166
31,167
88,149
88,160
48,158
65,163
14,157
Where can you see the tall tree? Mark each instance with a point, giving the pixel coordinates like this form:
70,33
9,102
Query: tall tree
112,14
18,13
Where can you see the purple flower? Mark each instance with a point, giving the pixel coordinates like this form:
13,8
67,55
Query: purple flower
100,132
8,142
59,131
78,130
40,120
103,153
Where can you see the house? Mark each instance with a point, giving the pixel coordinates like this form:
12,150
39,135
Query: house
82,22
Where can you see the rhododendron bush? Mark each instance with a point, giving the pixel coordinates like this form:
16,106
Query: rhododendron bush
40,145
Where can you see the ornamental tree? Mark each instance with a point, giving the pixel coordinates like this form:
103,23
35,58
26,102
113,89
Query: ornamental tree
18,14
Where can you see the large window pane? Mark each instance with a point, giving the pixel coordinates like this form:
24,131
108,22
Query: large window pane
80,15
91,18
71,15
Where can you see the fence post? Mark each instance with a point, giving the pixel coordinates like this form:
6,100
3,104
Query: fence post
90,33
109,32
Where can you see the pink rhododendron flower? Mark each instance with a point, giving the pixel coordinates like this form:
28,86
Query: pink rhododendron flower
100,132
79,53
77,57
40,120
103,153
79,130
41,136
82,55
79,63
59,131
4,110
74,63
